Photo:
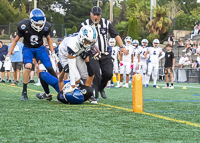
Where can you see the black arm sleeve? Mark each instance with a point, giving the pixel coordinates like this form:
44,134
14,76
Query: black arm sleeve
113,33
19,30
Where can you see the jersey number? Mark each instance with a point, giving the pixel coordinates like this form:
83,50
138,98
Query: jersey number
34,40
113,52
154,52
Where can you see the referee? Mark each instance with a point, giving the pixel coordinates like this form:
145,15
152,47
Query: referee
103,68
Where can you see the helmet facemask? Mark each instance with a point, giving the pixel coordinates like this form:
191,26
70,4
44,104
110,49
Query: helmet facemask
38,26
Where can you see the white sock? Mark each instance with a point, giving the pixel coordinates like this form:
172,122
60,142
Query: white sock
154,79
38,80
108,83
148,78
117,83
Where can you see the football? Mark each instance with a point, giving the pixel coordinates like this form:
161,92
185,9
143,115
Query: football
95,53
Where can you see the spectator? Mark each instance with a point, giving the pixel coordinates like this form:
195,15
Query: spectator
198,48
180,64
193,64
54,33
195,32
192,49
171,39
17,61
181,42
54,46
188,44
3,53
185,60
15,34
198,60
11,36
56,49
2,32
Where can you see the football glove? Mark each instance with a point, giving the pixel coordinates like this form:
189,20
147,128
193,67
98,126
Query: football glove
148,61
7,58
97,56
69,90
55,57
131,66
66,68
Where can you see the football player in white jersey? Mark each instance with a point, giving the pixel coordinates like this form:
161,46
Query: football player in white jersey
126,62
143,62
115,56
72,53
136,56
153,60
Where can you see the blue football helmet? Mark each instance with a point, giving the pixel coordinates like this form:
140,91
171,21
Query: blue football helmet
37,19
74,98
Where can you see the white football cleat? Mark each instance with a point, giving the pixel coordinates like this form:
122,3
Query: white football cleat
125,85
37,84
171,87
165,87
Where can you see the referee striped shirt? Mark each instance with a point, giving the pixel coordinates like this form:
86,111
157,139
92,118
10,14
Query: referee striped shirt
103,28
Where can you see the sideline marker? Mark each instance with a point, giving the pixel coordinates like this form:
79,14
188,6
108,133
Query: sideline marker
137,93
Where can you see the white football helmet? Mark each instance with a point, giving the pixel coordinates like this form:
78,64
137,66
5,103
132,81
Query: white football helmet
112,42
128,39
37,19
156,41
144,41
89,34
135,42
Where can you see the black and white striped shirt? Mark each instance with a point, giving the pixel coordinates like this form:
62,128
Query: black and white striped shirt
103,28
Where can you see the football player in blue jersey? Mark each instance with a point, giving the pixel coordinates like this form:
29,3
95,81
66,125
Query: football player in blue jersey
33,30
82,92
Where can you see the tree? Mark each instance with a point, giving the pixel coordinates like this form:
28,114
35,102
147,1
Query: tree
133,28
160,22
58,21
122,28
174,9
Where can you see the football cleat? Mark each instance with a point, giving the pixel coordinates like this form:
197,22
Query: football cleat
93,100
103,94
171,87
24,96
44,96
146,85
156,86
165,87
125,85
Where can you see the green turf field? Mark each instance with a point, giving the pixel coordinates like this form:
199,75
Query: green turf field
169,116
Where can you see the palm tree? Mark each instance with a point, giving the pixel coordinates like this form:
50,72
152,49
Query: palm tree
160,22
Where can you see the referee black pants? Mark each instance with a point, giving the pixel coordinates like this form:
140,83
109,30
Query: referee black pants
103,71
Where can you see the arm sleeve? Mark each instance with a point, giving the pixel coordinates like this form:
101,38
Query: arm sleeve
63,56
48,31
72,70
19,31
113,33
172,55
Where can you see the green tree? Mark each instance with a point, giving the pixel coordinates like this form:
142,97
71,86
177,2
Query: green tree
160,22
174,9
122,28
133,28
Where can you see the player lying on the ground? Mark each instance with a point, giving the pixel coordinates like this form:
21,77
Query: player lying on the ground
153,61
81,93
143,62
126,62
33,30
169,67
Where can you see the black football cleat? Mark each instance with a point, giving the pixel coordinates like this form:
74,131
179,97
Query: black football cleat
103,94
44,96
24,96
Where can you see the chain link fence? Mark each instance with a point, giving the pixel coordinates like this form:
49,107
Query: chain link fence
11,29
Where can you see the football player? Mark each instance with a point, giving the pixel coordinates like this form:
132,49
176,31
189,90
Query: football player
33,30
126,61
136,54
143,62
73,51
82,92
153,61
115,56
